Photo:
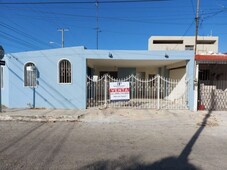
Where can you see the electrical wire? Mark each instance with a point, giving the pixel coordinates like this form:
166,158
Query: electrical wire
78,2
21,33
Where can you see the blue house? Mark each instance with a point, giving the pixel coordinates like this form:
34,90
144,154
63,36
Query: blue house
67,77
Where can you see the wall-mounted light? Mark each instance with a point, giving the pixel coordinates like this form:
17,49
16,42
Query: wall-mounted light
110,55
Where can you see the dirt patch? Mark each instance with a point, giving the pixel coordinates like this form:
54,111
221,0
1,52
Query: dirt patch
206,119
118,115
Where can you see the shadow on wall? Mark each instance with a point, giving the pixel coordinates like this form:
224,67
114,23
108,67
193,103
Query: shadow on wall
32,89
50,90
174,163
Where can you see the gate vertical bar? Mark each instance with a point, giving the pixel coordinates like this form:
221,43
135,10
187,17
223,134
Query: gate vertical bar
105,93
158,92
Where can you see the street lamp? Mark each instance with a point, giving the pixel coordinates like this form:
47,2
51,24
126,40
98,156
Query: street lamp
52,42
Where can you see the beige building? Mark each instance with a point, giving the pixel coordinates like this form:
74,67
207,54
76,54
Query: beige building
205,44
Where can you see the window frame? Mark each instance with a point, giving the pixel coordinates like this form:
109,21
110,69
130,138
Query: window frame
36,73
58,68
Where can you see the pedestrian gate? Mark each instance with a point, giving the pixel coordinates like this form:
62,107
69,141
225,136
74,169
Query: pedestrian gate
132,92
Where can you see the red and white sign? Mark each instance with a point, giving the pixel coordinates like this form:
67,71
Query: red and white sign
119,91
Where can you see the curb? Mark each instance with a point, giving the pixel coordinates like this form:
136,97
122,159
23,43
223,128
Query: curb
40,118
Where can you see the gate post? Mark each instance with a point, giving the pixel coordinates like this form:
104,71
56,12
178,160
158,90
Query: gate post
158,92
105,91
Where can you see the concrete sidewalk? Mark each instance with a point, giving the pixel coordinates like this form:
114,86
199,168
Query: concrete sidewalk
41,115
106,115
111,115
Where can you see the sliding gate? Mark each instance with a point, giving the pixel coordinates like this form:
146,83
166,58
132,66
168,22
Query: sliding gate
132,92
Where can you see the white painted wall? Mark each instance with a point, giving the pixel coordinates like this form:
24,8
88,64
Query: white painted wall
177,74
179,91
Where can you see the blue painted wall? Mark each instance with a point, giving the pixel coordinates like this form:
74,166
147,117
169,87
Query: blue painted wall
50,94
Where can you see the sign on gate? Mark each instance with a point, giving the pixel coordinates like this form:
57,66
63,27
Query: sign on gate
119,91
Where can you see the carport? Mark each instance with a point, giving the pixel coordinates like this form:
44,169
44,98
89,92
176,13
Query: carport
157,80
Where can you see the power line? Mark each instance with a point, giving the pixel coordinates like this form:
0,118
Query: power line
78,2
152,21
21,33
193,6
18,40
186,31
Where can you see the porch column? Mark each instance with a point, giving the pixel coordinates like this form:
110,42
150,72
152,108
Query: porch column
190,83
196,87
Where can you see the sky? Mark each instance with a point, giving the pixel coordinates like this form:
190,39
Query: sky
122,26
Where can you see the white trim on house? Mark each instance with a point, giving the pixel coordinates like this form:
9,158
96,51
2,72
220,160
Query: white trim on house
58,80
32,62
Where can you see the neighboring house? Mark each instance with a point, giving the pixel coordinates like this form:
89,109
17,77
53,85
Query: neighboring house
205,44
57,78
210,70
212,81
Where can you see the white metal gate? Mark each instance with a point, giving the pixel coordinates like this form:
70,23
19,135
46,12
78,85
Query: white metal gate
156,93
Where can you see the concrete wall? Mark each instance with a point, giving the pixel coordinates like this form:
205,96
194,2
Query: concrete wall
146,70
187,40
177,70
50,94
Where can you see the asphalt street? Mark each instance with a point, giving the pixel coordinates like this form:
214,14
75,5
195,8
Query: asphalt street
172,142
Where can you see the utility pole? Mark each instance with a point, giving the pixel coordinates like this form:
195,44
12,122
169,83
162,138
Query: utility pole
62,36
196,69
197,25
97,24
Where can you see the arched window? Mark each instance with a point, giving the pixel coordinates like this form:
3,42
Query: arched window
30,75
64,71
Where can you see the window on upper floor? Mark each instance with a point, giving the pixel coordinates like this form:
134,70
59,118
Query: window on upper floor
30,75
189,47
65,71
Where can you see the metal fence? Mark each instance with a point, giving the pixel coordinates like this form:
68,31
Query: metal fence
155,93
213,95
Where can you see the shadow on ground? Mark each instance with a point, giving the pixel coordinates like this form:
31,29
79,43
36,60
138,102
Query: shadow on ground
169,163
134,163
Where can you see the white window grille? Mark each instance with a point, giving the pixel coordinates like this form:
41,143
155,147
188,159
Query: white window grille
30,75
64,71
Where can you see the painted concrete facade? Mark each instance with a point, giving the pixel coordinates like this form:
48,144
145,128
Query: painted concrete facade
205,44
49,93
